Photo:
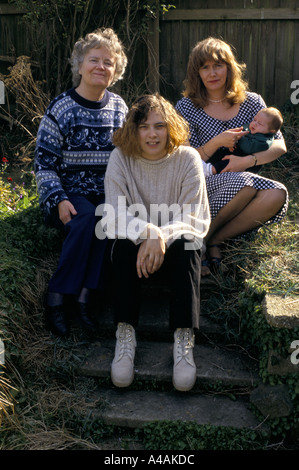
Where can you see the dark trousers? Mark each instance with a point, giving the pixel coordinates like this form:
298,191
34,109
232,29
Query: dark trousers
180,269
219,164
82,255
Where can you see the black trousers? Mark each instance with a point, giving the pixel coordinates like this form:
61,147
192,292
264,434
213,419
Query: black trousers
180,269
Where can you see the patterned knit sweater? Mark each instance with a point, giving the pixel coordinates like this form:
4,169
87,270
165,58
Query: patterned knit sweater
74,143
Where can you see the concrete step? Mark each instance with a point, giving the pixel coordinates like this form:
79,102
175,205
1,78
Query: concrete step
154,361
218,367
204,404
154,320
133,409
281,312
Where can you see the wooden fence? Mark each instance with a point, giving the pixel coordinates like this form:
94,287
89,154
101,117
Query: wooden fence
12,36
264,33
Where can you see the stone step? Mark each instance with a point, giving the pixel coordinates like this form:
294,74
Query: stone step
153,361
281,312
154,320
204,404
133,409
218,367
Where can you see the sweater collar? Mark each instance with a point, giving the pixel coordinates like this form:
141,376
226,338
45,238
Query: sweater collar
88,103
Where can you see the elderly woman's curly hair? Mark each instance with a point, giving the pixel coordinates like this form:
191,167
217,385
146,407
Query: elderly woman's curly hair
213,49
102,37
126,138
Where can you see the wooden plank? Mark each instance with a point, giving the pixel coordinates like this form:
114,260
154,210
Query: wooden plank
7,9
173,59
295,70
233,14
266,62
153,39
284,61
250,51
7,58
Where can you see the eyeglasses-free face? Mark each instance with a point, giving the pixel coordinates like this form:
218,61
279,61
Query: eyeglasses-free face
152,136
213,75
260,123
97,68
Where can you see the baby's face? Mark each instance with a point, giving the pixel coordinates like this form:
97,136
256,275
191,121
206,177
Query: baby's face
261,123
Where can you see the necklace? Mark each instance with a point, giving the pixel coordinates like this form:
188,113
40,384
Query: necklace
217,101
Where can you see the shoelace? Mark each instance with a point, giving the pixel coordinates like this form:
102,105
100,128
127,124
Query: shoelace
126,341
185,343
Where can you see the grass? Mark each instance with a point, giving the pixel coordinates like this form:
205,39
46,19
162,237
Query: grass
43,404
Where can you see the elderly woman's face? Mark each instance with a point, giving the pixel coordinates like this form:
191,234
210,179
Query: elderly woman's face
98,68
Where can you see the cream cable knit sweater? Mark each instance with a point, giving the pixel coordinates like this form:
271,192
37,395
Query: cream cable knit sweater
169,193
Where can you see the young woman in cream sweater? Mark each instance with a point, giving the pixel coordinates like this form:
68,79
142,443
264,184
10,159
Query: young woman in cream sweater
156,209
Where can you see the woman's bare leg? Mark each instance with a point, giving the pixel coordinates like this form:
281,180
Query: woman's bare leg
249,209
232,209
227,213
259,210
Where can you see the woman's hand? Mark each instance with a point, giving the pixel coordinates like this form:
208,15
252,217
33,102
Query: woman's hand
227,139
231,137
237,163
150,256
66,210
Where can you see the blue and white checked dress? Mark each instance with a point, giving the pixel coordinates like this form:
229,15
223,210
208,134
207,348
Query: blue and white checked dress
223,187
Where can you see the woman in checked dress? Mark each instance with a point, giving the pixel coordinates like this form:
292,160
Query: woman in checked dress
216,105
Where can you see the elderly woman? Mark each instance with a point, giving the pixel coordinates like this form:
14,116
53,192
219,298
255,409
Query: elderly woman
73,147
157,210
216,105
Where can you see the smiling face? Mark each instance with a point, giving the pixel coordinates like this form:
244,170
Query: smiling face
152,136
97,69
213,75
261,123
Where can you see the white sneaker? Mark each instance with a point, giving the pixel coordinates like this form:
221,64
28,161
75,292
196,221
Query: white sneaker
122,369
184,369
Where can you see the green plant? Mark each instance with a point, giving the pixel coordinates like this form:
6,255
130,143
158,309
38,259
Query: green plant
178,435
16,195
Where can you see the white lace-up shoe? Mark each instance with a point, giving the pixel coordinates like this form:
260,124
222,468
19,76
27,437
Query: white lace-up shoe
122,370
184,369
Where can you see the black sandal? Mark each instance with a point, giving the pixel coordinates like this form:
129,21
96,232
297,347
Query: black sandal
215,262
205,262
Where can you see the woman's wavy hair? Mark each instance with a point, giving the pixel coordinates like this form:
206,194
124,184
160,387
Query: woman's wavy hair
126,138
213,49
102,37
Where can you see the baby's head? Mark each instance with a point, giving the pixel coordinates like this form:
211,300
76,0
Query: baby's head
267,120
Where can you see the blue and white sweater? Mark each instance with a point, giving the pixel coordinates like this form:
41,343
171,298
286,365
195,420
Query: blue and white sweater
74,143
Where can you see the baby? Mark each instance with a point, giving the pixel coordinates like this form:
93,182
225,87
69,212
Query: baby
262,129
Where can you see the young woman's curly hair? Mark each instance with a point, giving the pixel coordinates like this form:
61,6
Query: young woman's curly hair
102,37
126,138
213,49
